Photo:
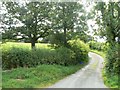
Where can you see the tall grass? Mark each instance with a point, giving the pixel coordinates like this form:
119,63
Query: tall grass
41,76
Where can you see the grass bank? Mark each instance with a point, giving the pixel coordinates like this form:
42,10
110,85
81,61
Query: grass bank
110,80
103,54
40,76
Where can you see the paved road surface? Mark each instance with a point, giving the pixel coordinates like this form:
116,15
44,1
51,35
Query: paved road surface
87,77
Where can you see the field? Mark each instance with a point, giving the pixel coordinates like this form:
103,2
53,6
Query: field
24,45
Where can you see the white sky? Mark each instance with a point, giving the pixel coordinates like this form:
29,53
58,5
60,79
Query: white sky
92,23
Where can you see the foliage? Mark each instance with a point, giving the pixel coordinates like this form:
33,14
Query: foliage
81,50
67,23
56,40
15,56
112,64
40,76
109,20
98,45
111,81
82,36
33,17
31,21
110,74
65,56
101,53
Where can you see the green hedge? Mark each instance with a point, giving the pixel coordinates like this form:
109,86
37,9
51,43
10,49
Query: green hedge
98,45
14,57
112,59
81,50
21,56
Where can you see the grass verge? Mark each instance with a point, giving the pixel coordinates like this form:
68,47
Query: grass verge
110,81
41,76
103,54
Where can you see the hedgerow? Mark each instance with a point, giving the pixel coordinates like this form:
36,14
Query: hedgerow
15,56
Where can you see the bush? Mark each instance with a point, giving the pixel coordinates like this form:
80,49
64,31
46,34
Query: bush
65,56
13,57
81,50
98,46
112,63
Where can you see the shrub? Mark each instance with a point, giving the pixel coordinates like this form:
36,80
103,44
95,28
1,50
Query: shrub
112,63
81,50
98,45
13,57
65,56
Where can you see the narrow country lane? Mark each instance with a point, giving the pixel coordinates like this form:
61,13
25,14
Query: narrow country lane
88,77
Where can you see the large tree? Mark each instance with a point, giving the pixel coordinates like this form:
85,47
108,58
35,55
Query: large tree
108,19
69,19
33,17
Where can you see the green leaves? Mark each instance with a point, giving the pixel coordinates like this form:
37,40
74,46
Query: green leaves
14,56
81,50
109,20
34,17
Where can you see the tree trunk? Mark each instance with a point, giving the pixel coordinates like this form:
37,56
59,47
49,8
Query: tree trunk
33,44
64,27
65,39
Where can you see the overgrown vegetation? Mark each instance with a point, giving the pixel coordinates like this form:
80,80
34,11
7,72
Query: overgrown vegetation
16,55
111,80
111,72
109,27
81,50
101,53
100,46
40,76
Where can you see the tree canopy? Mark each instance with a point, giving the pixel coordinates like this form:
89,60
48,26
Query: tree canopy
33,20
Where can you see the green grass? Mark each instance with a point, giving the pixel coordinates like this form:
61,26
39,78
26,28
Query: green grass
38,76
41,76
101,53
110,80
25,45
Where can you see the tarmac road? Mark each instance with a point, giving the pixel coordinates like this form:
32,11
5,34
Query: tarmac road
88,77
